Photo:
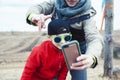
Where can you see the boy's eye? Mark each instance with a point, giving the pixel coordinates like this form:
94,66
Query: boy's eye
57,39
67,38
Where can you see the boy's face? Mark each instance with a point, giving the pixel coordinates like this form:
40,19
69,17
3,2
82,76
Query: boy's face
57,40
71,3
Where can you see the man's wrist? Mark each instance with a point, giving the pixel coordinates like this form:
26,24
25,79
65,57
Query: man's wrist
95,62
31,16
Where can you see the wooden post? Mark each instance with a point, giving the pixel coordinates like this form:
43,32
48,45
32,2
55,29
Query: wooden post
108,47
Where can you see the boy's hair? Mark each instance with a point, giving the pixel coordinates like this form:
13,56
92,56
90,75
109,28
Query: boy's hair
58,26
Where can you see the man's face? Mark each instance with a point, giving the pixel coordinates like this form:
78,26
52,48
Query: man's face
71,3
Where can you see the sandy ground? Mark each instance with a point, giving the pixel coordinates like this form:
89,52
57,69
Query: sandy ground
16,46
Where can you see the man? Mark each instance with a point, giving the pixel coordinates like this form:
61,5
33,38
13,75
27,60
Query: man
80,16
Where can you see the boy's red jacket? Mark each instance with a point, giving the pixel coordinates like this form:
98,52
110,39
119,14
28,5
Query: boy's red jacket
45,63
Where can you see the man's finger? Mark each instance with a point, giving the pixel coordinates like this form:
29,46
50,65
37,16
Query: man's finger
47,17
39,25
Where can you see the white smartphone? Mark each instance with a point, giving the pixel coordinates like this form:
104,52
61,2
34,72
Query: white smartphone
71,51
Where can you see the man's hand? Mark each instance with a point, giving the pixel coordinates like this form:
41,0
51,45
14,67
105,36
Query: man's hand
83,62
39,20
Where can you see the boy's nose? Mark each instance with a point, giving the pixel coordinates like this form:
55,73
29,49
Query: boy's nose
62,41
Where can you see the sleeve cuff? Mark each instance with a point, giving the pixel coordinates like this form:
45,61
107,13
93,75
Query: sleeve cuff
31,16
95,62
29,19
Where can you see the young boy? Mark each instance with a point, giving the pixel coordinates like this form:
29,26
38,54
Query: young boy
46,61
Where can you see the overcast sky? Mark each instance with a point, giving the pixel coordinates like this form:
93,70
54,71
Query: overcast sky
12,14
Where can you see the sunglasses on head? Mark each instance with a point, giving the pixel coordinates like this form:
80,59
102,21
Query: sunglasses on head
58,39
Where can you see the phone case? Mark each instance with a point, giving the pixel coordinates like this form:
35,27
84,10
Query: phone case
71,51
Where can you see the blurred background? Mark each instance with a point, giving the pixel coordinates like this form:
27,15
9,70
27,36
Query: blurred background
12,15
13,12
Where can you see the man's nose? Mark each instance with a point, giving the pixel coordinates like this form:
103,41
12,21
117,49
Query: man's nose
71,0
